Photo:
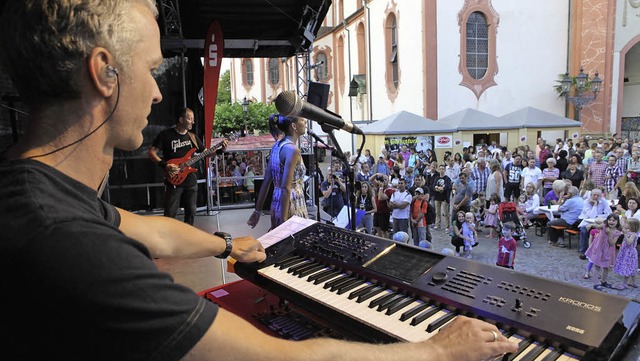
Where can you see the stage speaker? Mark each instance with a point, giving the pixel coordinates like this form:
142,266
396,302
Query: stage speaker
309,163
318,94
257,183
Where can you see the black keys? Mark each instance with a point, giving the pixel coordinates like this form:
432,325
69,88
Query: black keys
369,294
320,274
414,311
337,285
382,299
399,305
521,347
310,270
554,355
349,286
361,291
424,315
441,321
533,354
326,277
336,281
287,261
304,264
396,299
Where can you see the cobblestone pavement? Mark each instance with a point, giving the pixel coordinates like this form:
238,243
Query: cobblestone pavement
542,259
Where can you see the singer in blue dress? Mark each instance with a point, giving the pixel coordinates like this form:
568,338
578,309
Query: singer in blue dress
286,171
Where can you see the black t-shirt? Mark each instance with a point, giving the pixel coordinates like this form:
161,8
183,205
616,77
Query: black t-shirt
75,287
175,145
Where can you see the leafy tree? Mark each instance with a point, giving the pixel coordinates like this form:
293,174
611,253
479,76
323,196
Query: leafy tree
230,117
224,89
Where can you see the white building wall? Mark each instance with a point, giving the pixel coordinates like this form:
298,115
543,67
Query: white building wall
627,28
531,51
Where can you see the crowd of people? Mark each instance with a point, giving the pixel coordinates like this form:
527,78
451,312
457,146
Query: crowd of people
586,178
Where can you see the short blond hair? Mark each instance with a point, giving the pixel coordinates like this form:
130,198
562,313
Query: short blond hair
43,43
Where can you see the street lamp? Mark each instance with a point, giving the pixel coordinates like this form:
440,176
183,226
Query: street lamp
582,85
245,109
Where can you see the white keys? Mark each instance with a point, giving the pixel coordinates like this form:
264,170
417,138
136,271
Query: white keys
389,324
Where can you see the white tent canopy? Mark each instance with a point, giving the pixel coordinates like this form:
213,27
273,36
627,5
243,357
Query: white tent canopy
402,122
535,118
471,119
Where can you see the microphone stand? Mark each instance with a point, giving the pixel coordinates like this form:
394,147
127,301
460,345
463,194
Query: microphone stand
315,168
350,181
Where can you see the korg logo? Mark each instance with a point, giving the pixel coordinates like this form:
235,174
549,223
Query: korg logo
586,306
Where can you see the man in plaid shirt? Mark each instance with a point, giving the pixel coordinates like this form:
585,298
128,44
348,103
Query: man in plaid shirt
622,160
479,174
611,176
597,169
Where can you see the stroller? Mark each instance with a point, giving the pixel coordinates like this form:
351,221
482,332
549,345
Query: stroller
507,212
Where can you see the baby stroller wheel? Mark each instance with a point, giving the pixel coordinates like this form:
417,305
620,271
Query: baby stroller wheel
526,244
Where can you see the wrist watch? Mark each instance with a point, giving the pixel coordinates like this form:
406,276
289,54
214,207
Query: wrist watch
227,238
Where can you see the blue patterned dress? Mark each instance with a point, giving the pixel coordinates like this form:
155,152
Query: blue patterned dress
297,204
627,262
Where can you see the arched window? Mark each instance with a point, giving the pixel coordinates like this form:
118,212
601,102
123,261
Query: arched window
394,50
362,46
321,70
248,72
392,68
478,65
477,45
340,63
274,71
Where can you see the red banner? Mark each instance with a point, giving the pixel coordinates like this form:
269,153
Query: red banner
213,47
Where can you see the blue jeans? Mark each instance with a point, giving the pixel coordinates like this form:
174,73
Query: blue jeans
367,222
419,233
400,224
584,240
173,196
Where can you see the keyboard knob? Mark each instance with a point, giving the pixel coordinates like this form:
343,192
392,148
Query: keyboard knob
439,278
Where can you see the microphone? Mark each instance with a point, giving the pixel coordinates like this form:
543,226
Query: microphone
290,105
318,139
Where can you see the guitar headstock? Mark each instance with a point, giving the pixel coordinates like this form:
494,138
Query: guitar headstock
233,136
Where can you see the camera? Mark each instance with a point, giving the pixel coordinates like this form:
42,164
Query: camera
380,179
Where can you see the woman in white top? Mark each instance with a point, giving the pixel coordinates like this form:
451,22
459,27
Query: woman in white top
632,211
533,201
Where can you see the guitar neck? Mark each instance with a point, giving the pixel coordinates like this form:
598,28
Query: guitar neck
205,153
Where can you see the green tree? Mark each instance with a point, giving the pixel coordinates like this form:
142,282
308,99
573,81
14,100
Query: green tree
230,118
224,89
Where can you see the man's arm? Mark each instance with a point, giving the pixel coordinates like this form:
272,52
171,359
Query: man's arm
171,169
167,237
463,339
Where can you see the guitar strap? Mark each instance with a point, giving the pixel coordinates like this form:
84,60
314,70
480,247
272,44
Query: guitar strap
193,139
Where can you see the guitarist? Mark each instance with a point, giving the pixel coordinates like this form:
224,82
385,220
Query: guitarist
175,142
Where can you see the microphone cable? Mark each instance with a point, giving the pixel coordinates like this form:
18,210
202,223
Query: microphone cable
88,134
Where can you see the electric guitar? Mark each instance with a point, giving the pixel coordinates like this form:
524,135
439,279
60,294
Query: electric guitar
184,163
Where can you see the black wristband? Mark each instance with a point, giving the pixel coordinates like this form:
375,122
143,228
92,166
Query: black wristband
229,244
162,164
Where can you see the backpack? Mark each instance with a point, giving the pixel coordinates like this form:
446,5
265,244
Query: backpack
430,216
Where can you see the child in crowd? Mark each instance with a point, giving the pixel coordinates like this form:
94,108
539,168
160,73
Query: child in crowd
521,208
602,251
457,238
477,207
491,215
593,229
507,246
469,233
587,187
627,261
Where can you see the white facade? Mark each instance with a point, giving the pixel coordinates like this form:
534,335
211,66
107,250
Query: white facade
532,49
